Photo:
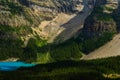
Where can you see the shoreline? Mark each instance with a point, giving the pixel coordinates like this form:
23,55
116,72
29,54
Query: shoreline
10,60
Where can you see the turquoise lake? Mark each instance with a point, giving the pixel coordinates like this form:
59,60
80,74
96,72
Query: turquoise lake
11,66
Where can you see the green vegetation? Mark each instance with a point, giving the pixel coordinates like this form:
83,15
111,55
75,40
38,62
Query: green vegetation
30,51
51,52
20,31
90,44
66,51
37,50
10,42
71,49
68,70
10,48
100,14
116,16
13,7
67,54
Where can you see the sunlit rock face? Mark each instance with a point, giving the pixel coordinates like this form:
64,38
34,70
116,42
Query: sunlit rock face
32,12
50,19
38,14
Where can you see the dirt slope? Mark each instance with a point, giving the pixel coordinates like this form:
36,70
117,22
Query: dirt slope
110,49
76,23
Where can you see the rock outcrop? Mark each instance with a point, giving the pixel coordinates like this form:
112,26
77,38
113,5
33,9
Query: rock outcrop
102,18
33,13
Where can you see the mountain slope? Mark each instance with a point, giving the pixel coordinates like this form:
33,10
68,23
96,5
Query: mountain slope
76,23
24,22
26,27
33,13
110,49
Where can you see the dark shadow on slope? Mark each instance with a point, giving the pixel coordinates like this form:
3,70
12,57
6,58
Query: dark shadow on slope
116,15
74,25
88,31
24,2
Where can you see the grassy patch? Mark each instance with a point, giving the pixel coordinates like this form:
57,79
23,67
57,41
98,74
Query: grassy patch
87,45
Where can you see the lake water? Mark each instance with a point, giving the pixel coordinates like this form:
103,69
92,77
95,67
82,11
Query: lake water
11,66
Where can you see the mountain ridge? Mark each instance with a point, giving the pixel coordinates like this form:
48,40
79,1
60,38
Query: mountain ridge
29,29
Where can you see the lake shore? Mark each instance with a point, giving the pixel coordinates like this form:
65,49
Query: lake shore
10,60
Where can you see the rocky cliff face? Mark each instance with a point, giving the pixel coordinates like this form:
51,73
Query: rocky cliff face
102,18
33,13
